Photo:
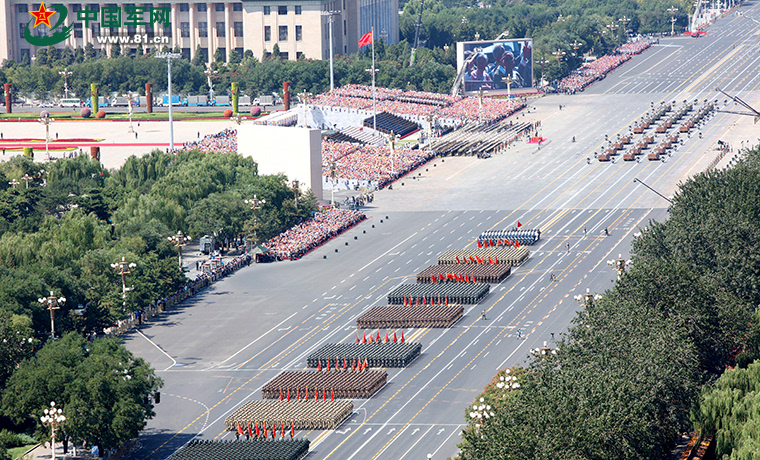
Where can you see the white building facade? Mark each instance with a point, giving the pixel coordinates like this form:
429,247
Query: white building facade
299,28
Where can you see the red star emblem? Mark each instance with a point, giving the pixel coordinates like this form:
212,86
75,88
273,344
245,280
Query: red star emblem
42,15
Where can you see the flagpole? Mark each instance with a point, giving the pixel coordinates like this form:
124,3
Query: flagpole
374,98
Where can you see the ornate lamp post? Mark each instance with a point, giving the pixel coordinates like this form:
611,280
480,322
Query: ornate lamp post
26,179
209,73
14,183
46,120
53,303
576,46
180,240
124,268
130,102
66,74
587,299
238,119
53,418
255,204
295,186
624,20
672,10
333,165
619,264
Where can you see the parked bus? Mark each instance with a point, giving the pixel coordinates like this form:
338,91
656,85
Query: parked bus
69,103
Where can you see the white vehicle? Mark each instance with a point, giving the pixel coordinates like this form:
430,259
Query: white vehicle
69,103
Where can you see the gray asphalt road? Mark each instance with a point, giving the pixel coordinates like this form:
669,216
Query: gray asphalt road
218,350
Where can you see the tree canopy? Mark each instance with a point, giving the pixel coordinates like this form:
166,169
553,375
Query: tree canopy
633,365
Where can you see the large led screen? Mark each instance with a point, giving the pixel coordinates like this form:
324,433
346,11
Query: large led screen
494,62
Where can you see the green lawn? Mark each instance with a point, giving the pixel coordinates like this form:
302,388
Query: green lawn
17,452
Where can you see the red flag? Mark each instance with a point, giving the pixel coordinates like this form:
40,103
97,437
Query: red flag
292,430
447,300
364,337
371,340
357,336
472,259
306,394
282,429
319,366
274,431
298,394
280,394
345,364
434,279
316,394
240,429
402,336
328,369
386,337
496,259
250,432
377,339
517,245
265,430
332,395
258,433
324,395
364,366
457,259
394,336
490,260
416,301
480,245
353,364
492,243
366,39
404,300
519,224
473,279
288,394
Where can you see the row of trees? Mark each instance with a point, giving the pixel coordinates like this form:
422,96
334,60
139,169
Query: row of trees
552,25
628,373
62,232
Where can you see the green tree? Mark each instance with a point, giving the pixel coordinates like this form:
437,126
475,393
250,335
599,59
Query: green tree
198,58
79,55
106,393
89,52
67,56
41,57
115,51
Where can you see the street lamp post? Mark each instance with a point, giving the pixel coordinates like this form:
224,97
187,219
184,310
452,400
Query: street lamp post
124,268
619,264
209,73
180,240
14,183
333,166
624,20
672,10
169,57
26,179
576,46
295,186
66,74
330,15
53,418
587,299
53,303
130,100
46,120
238,119
255,204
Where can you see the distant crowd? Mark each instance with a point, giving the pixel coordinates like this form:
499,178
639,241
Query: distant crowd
370,163
590,72
295,242
419,104
224,141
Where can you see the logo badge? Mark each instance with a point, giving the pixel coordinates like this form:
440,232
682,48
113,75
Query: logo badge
42,16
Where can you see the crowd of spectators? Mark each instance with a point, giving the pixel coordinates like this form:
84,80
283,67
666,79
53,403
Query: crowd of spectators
418,104
334,151
224,141
371,163
468,110
596,70
293,243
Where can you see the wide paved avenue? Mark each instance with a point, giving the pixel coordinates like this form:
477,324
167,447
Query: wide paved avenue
217,351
